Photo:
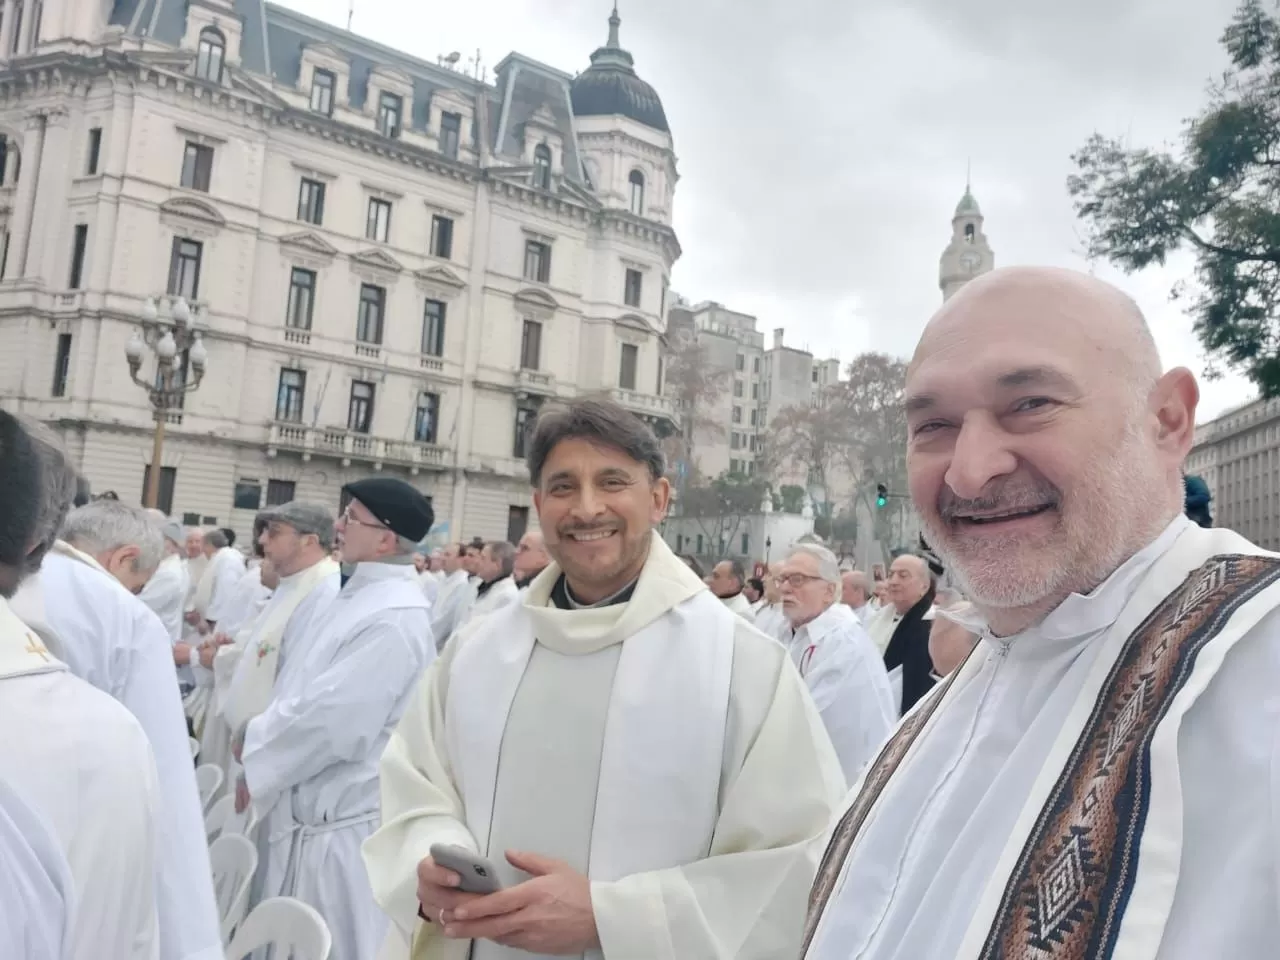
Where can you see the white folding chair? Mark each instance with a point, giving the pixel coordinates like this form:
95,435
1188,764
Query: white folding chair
208,780
195,747
215,819
234,860
294,928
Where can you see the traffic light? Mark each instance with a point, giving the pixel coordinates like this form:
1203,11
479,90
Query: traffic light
882,495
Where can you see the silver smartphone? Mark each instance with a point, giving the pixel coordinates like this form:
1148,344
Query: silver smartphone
477,873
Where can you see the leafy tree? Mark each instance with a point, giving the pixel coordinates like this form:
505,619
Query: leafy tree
873,402
719,507
812,438
1219,197
789,498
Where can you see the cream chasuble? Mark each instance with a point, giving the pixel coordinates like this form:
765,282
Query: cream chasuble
663,747
1101,786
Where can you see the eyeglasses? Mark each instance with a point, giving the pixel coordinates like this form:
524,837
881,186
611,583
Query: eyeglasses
348,518
794,580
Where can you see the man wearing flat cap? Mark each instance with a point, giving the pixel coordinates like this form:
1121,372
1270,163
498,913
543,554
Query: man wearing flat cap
311,758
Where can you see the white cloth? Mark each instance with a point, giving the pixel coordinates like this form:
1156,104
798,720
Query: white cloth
37,894
501,594
430,582
846,678
452,604
777,779
166,594
863,613
247,600
78,760
226,568
740,605
771,621
311,759
915,878
109,638
880,626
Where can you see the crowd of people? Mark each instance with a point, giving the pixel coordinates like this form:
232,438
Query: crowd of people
1052,732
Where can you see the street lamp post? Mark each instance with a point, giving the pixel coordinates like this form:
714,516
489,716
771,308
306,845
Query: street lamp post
169,336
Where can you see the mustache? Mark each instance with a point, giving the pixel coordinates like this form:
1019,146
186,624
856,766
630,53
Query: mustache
1003,498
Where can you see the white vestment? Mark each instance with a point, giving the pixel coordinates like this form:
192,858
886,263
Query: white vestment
226,568
166,594
740,605
880,626
696,817
454,600
82,763
430,582
37,894
771,621
494,599
110,638
928,869
846,677
311,759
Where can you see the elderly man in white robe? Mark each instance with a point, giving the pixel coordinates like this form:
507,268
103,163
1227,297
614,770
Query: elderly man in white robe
727,580
1098,779
497,586
79,798
166,592
217,587
643,769
83,604
456,594
841,667
311,758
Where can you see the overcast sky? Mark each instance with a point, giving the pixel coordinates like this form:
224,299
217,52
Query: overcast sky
823,144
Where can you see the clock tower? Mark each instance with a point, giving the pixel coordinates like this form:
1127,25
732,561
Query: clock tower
968,255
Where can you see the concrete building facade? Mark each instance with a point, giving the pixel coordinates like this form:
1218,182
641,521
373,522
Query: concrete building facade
393,263
1238,456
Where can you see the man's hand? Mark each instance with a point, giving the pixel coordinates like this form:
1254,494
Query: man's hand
551,913
182,653
438,890
193,618
237,746
242,795
207,653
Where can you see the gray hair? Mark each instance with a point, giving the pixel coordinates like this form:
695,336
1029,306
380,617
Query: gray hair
104,525
59,482
828,565
216,539
504,553
736,570
406,547
597,421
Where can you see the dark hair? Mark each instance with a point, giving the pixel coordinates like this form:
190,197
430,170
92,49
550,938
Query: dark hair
107,495
600,422
692,563
504,553
84,492
216,539
20,478
230,535
756,584
737,570
260,523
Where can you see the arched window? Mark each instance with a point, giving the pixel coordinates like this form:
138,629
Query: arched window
209,55
542,166
637,193
968,233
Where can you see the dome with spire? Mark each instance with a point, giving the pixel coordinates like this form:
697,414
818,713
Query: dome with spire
968,206
610,86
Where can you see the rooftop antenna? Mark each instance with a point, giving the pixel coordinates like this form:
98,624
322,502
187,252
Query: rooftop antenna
968,175
351,12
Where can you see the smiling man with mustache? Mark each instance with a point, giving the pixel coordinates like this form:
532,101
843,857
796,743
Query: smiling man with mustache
644,769
1105,758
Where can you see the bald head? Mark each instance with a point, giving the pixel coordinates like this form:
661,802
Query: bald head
531,556
1045,447
855,588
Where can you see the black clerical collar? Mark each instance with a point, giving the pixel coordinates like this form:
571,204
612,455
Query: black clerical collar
565,600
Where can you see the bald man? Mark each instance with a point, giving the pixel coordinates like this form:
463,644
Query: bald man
855,593
1086,780
531,558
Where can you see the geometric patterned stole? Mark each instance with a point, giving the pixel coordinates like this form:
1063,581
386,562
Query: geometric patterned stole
1069,888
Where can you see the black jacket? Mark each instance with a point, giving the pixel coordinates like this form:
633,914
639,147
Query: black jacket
909,649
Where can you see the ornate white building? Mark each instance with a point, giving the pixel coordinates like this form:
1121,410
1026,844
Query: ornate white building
968,255
393,263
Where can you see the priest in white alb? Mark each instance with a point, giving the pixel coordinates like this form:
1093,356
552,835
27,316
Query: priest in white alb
455,596
1098,778
311,758
79,798
217,585
82,603
644,769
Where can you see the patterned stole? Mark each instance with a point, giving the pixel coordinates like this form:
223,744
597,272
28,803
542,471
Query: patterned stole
1069,888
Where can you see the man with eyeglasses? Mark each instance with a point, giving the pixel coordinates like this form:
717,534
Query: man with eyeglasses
840,665
311,758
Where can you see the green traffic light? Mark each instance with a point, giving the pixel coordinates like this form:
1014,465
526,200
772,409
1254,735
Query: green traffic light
881,501
882,495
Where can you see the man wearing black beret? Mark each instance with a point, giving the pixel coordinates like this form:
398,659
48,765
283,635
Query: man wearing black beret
311,759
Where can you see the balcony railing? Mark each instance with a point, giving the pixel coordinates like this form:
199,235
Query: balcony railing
646,404
348,446
534,381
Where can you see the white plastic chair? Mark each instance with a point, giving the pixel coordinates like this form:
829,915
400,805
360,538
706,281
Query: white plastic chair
195,747
222,819
234,860
208,780
295,929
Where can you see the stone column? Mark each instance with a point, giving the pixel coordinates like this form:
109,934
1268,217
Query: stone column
24,206
6,32
49,233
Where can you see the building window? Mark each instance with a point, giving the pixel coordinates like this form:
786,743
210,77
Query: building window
637,192
740,362
290,395
378,223
632,287
61,365
433,328
16,41
542,167
197,167
754,414
360,409
390,109
35,22
746,545
699,542
525,416
968,233
311,201
755,391
4,160
95,151
531,345
302,298
247,495
168,478
79,247
209,55
734,442
426,421
737,388
737,414
4,255
280,492
184,268
373,301
537,261
517,523
441,237
322,84
627,367
450,134
755,365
